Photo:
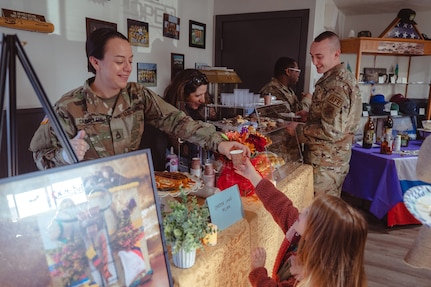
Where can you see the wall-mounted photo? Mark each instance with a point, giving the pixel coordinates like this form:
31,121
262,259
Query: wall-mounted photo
138,33
177,64
171,26
147,74
92,223
197,33
93,24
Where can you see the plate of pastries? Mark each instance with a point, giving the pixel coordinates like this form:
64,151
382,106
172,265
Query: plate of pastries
171,183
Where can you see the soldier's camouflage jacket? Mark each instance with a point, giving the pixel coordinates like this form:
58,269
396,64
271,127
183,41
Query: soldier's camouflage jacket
287,95
116,131
333,119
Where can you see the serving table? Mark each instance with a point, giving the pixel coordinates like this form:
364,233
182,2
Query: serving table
228,262
383,179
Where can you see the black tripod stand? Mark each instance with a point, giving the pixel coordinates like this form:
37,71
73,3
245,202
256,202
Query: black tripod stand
11,47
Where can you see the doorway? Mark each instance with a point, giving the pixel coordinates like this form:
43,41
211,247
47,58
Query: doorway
251,43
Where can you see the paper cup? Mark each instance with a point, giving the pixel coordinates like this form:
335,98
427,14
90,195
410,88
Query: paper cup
196,163
267,99
237,157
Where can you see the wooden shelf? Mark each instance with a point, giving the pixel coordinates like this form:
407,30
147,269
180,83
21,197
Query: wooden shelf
387,47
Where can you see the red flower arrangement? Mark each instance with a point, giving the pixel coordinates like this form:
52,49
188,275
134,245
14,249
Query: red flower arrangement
248,136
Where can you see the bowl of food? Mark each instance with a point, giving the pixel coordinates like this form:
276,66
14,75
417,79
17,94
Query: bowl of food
427,124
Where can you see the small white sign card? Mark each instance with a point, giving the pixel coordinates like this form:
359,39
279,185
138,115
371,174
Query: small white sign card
225,207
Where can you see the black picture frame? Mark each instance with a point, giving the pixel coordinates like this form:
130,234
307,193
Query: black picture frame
88,220
197,34
177,64
93,24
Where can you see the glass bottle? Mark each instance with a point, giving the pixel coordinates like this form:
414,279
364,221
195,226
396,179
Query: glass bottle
386,145
388,124
387,142
367,140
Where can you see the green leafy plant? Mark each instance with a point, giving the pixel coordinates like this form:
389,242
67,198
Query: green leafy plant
187,223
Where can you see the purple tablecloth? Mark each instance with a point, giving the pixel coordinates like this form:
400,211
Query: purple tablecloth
373,176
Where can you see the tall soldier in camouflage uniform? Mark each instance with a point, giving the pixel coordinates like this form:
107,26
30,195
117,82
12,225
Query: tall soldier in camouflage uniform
333,118
286,75
106,116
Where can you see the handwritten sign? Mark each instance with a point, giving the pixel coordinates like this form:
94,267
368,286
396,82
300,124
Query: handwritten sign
225,207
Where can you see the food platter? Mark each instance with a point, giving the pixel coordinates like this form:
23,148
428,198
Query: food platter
171,183
264,125
418,201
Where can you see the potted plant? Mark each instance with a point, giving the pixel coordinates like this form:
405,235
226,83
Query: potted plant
184,227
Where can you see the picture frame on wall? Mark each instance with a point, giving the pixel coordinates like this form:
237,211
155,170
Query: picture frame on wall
171,26
177,64
93,24
147,74
197,34
138,33
95,222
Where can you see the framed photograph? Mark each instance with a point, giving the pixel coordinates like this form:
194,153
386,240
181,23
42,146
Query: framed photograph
92,223
171,26
93,24
147,74
197,33
177,64
138,33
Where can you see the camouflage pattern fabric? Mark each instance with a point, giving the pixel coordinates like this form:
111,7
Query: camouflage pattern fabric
115,130
333,119
287,95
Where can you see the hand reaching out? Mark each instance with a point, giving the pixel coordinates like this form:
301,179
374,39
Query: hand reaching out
247,170
226,146
258,258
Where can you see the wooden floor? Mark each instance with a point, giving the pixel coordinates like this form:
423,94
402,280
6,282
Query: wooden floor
384,254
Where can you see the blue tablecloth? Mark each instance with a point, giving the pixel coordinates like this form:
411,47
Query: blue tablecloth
382,179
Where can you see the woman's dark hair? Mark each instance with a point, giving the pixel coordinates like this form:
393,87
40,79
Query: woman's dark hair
96,44
282,64
183,84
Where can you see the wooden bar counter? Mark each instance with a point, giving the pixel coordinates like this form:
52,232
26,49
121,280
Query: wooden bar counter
228,262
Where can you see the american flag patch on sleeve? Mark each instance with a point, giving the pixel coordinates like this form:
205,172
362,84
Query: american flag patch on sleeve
44,121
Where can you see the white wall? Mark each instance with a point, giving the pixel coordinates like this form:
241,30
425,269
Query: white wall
59,58
377,23
420,68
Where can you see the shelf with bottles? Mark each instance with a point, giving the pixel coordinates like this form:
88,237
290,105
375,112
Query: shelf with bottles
402,124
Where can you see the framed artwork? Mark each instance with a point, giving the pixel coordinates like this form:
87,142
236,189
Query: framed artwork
138,33
91,223
197,33
177,64
171,26
93,24
147,74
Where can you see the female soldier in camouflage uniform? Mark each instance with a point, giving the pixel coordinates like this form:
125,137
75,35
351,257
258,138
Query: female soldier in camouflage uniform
106,115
